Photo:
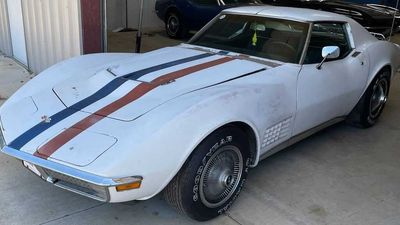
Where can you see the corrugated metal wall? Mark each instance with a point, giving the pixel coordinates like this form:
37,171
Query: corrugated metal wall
52,31
5,39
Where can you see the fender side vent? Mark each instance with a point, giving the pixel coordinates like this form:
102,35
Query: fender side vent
276,132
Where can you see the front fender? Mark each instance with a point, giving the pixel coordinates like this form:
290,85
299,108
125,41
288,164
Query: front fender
156,145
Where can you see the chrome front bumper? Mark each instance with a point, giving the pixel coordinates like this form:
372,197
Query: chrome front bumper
71,179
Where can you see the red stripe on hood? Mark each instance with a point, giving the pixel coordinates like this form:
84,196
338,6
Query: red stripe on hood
61,139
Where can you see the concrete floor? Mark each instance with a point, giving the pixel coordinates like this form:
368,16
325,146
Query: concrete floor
340,176
151,40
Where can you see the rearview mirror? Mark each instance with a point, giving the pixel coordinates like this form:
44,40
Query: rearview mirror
257,27
329,52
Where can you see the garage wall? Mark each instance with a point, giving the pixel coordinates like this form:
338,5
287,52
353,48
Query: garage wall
116,14
150,19
52,31
5,38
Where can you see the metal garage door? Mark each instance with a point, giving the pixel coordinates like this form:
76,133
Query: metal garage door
5,39
52,31
17,30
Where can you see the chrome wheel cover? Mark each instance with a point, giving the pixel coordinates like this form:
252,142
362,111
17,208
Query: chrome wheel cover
173,25
221,176
378,98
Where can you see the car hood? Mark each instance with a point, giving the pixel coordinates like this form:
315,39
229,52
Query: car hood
128,91
122,92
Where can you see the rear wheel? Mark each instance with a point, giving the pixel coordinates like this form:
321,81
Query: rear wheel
212,177
371,105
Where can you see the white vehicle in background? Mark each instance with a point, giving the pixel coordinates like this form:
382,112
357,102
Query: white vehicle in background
191,119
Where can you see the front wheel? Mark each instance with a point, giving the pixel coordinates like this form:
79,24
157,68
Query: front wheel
174,26
212,177
371,105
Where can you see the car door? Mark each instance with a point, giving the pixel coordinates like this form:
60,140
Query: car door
201,12
334,89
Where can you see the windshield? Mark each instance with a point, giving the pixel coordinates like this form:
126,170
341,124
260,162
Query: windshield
269,38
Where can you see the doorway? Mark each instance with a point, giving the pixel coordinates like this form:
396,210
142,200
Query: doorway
17,31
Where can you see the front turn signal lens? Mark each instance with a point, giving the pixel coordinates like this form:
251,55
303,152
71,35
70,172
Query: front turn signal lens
130,186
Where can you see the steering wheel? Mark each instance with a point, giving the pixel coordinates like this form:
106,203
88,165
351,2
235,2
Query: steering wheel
284,45
289,51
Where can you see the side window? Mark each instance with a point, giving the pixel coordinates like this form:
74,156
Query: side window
327,34
205,2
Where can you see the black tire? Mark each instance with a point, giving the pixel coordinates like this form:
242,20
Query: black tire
370,107
174,25
195,188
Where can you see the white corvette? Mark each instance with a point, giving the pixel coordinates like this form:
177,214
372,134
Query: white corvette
190,120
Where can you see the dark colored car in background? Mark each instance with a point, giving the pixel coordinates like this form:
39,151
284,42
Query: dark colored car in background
374,18
181,16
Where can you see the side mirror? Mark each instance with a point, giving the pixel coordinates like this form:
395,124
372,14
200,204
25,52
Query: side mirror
329,52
